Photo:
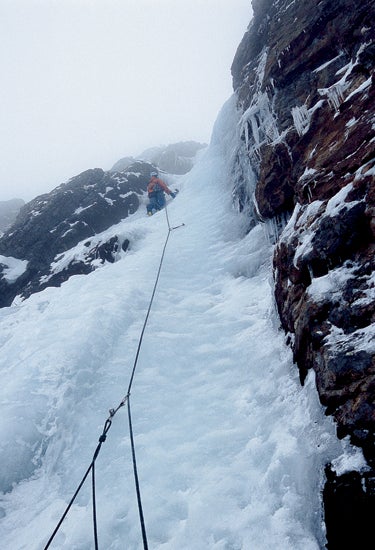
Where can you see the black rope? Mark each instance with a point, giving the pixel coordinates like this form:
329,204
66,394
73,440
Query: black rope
68,508
136,479
167,217
135,469
148,313
108,424
102,438
94,507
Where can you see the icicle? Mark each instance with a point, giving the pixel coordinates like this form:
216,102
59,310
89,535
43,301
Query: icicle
301,118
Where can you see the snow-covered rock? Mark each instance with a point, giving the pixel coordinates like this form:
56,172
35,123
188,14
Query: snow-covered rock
304,80
63,233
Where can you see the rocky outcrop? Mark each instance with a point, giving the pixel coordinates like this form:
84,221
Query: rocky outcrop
8,212
176,158
304,79
60,234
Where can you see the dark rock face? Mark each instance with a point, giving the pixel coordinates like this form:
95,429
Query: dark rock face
304,79
54,223
347,504
8,212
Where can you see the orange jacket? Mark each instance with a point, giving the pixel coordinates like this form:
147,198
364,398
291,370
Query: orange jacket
154,180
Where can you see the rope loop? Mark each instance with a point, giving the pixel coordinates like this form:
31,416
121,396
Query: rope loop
107,425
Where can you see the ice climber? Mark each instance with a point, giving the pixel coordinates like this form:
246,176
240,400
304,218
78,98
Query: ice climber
156,189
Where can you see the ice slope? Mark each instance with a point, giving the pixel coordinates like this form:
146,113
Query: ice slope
230,448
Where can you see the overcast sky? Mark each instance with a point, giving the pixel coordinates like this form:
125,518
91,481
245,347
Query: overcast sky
86,82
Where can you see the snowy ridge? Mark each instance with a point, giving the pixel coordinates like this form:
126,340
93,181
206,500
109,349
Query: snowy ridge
230,448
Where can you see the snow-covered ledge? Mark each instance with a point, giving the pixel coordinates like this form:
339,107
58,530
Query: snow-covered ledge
13,268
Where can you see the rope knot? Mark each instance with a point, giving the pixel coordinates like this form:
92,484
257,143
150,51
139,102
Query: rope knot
102,438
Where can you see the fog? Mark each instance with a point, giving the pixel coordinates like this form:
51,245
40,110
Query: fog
86,82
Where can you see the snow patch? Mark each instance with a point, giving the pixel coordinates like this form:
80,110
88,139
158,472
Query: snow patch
351,122
13,269
82,209
325,287
352,459
337,202
360,88
328,63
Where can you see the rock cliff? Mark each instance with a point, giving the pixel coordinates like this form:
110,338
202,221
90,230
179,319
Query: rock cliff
304,79
62,233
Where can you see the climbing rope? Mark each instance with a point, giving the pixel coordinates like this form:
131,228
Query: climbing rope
136,479
108,424
102,438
